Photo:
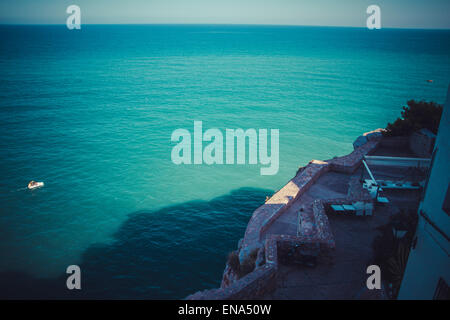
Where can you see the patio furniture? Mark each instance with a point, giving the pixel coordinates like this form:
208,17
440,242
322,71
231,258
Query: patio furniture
382,200
349,208
338,208
343,209
359,208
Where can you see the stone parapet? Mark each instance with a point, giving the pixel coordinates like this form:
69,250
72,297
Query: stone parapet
352,161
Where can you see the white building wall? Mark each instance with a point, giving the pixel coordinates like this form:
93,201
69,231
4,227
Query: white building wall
430,260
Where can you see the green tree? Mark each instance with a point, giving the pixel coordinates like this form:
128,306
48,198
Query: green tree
417,115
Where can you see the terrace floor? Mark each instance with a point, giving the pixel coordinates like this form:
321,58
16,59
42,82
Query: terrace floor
345,278
331,185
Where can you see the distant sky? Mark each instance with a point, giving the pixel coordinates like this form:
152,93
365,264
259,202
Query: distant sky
395,13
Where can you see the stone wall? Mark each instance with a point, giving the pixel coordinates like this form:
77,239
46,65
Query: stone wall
263,279
352,161
254,285
368,136
264,216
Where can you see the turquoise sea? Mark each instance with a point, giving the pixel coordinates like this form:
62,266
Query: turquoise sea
91,113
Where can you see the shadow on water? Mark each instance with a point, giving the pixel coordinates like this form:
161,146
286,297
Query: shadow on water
163,254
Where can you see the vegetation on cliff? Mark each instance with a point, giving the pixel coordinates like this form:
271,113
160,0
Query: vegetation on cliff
244,268
417,115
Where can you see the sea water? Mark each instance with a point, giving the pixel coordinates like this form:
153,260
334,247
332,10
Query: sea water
90,112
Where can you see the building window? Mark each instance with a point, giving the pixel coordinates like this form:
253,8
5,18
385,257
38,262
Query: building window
446,205
442,291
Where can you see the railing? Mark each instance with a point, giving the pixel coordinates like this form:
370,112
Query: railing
370,173
397,161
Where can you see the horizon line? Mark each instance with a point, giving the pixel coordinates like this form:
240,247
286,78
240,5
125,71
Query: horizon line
219,24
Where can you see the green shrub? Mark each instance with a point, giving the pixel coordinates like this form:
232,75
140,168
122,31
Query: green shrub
417,115
247,266
254,254
244,268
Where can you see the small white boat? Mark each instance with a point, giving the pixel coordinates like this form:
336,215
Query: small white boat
34,185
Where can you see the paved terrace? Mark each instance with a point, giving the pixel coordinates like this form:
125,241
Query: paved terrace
335,185
345,242
344,278
331,185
